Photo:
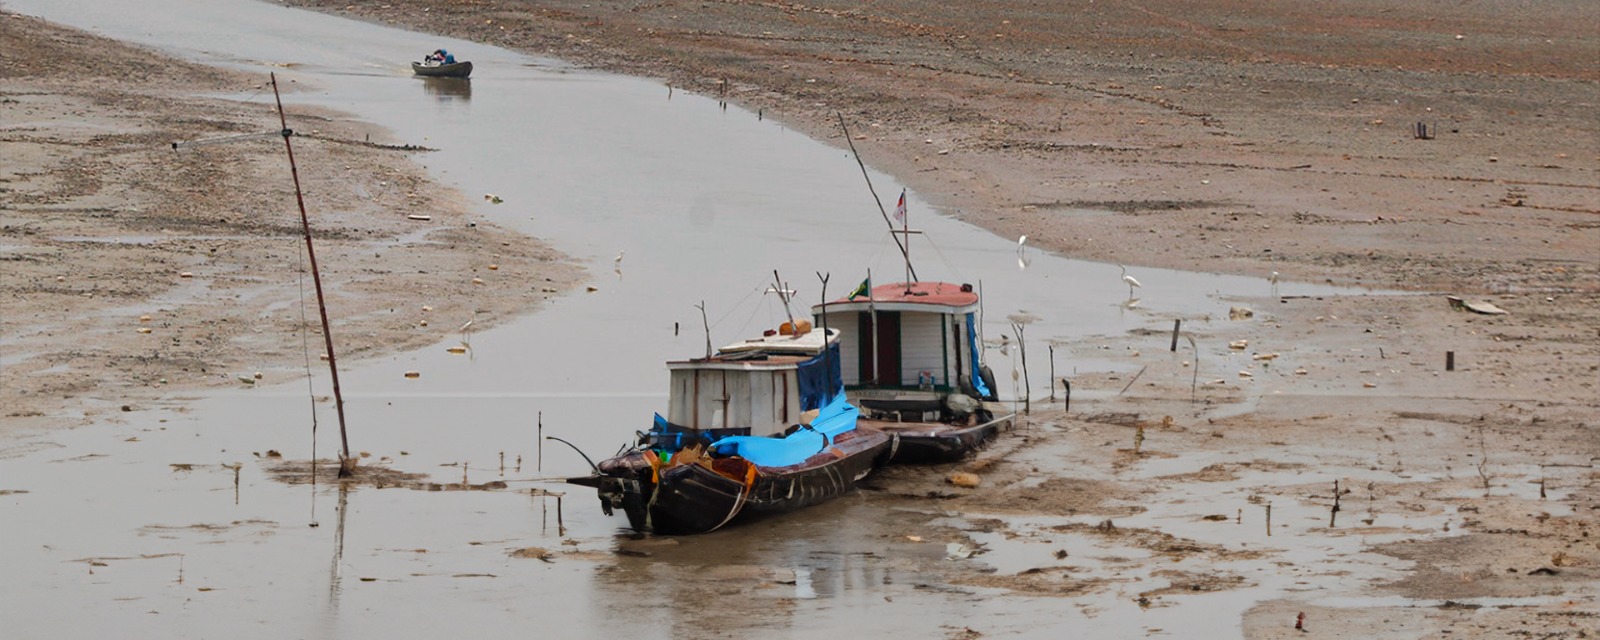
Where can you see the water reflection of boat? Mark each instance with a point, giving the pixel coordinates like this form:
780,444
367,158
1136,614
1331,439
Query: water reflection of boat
448,87
760,428
453,70
912,363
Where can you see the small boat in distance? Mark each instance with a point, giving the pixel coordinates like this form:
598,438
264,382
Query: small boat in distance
760,428
451,70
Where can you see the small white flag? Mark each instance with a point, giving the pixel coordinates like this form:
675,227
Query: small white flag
900,209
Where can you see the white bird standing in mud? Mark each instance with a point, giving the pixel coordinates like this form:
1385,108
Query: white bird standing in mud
1022,253
1132,282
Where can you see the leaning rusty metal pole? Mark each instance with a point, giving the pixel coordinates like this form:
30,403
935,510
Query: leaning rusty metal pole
904,250
346,463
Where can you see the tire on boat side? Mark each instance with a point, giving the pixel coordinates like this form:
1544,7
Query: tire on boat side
988,381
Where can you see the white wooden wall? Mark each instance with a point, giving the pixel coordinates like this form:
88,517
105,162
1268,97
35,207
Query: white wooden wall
849,326
756,399
922,347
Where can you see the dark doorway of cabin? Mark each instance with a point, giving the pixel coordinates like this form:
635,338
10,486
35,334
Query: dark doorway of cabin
885,342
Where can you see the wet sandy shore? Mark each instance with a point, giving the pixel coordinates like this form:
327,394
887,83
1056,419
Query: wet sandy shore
133,270
1221,140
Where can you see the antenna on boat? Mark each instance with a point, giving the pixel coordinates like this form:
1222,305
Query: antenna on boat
828,366
783,296
346,462
707,324
575,448
905,230
904,251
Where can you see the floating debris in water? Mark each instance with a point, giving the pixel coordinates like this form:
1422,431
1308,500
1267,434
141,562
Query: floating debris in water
536,553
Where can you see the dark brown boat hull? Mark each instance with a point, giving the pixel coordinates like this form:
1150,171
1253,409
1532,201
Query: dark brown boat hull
691,499
934,443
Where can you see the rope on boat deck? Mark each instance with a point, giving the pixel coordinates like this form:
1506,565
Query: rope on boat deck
649,507
744,491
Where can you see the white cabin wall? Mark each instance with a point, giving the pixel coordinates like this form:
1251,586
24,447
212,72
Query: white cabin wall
755,399
680,400
761,401
738,388
849,326
708,403
921,347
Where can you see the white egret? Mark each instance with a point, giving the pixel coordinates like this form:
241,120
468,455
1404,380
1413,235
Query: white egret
1132,282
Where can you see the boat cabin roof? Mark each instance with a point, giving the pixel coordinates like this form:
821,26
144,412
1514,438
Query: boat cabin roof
776,351
924,297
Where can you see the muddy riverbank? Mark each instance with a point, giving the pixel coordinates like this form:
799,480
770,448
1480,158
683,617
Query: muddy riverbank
134,270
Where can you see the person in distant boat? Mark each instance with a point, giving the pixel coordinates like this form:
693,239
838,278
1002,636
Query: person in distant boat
440,56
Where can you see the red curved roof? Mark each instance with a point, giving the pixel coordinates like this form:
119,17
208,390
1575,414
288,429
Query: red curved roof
942,294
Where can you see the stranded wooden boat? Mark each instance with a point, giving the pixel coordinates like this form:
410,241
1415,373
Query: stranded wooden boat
761,428
453,70
913,364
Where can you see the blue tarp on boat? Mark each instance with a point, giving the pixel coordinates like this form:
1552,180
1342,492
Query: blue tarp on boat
977,364
835,417
819,378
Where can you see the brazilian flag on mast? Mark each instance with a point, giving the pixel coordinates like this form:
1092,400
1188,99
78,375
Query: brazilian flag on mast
863,289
